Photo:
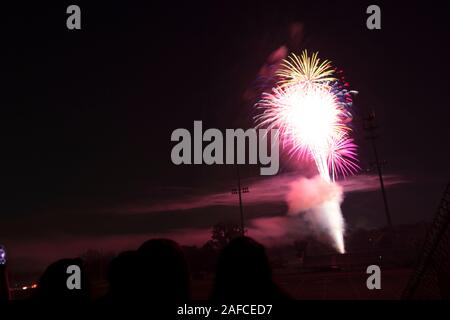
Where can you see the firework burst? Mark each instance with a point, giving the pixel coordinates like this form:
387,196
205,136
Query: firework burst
311,108
300,69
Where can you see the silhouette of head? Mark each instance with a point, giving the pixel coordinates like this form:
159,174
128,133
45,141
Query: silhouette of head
243,273
163,271
53,287
122,276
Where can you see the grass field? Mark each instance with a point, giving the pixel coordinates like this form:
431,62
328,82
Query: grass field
327,285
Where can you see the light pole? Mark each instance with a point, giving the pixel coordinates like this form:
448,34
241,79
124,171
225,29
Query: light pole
370,127
239,191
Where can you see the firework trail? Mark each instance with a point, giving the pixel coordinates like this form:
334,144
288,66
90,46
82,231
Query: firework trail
311,108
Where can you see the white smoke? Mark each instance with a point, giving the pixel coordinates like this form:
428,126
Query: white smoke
315,201
306,194
321,201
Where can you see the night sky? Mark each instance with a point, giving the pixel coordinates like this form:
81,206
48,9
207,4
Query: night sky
87,114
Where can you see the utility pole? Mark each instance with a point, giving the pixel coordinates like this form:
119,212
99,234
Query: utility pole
239,191
370,127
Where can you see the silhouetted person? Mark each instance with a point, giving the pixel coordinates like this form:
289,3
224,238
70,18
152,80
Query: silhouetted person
123,278
443,280
4,287
243,274
163,272
53,288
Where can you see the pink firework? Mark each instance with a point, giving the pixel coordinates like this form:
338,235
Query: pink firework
312,122
311,110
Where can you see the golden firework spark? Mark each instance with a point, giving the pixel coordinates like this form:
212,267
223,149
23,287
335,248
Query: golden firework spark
304,68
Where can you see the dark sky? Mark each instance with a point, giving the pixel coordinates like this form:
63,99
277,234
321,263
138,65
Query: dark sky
87,115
